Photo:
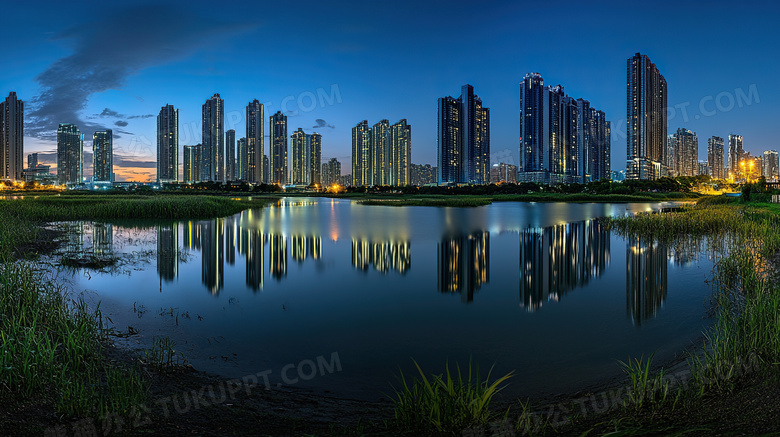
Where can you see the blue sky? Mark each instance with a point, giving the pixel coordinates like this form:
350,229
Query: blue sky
114,65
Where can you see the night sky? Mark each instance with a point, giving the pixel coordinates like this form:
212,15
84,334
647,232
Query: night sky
113,65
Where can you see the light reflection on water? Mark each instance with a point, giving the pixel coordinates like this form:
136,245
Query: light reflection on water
543,289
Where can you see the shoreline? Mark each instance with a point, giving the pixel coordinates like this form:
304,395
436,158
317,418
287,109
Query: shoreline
301,411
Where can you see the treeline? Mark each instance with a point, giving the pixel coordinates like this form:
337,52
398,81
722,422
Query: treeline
604,186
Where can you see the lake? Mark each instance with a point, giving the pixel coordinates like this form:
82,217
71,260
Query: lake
540,288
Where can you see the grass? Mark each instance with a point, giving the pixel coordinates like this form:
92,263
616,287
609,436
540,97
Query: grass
446,404
645,387
745,336
162,354
53,347
103,207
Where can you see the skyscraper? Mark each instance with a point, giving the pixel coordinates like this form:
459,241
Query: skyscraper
449,141
378,153
463,139
241,161
562,139
595,144
212,148
168,144
715,158
70,154
362,171
230,155
686,153
300,144
422,174
646,95
771,166
11,138
534,158
254,143
32,160
192,155
736,153
331,173
278,156
399,154
266,170
102,156
315,158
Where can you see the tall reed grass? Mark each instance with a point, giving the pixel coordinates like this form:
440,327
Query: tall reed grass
446,404
52,346
745,336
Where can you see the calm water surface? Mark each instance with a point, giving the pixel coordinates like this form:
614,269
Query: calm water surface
540,288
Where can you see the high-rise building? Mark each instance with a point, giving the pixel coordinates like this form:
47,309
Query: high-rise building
278,144
70,154
503,172
770,163
255,172
230,155
212,147
594,139
168,144
315,158
715,158
192,155
736,153
378,153
562,140
102,156
362,170
423,174
300,145
241,161
704,168
331,173
12,138
381,154
646,96
399,154
534,144
32,160
266,169
463,139
685,145
449,141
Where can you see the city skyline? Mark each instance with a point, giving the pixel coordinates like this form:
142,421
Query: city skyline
357,90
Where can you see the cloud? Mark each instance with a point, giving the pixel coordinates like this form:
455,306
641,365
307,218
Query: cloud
120,123
110,113
114,114
108,49
322,124
126,161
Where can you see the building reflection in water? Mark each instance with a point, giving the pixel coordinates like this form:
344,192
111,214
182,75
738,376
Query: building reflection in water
646,278
213,254
303,247
102,239
231,229
277,250
251,247
192,236
557,259
464,264
383,256
168,251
